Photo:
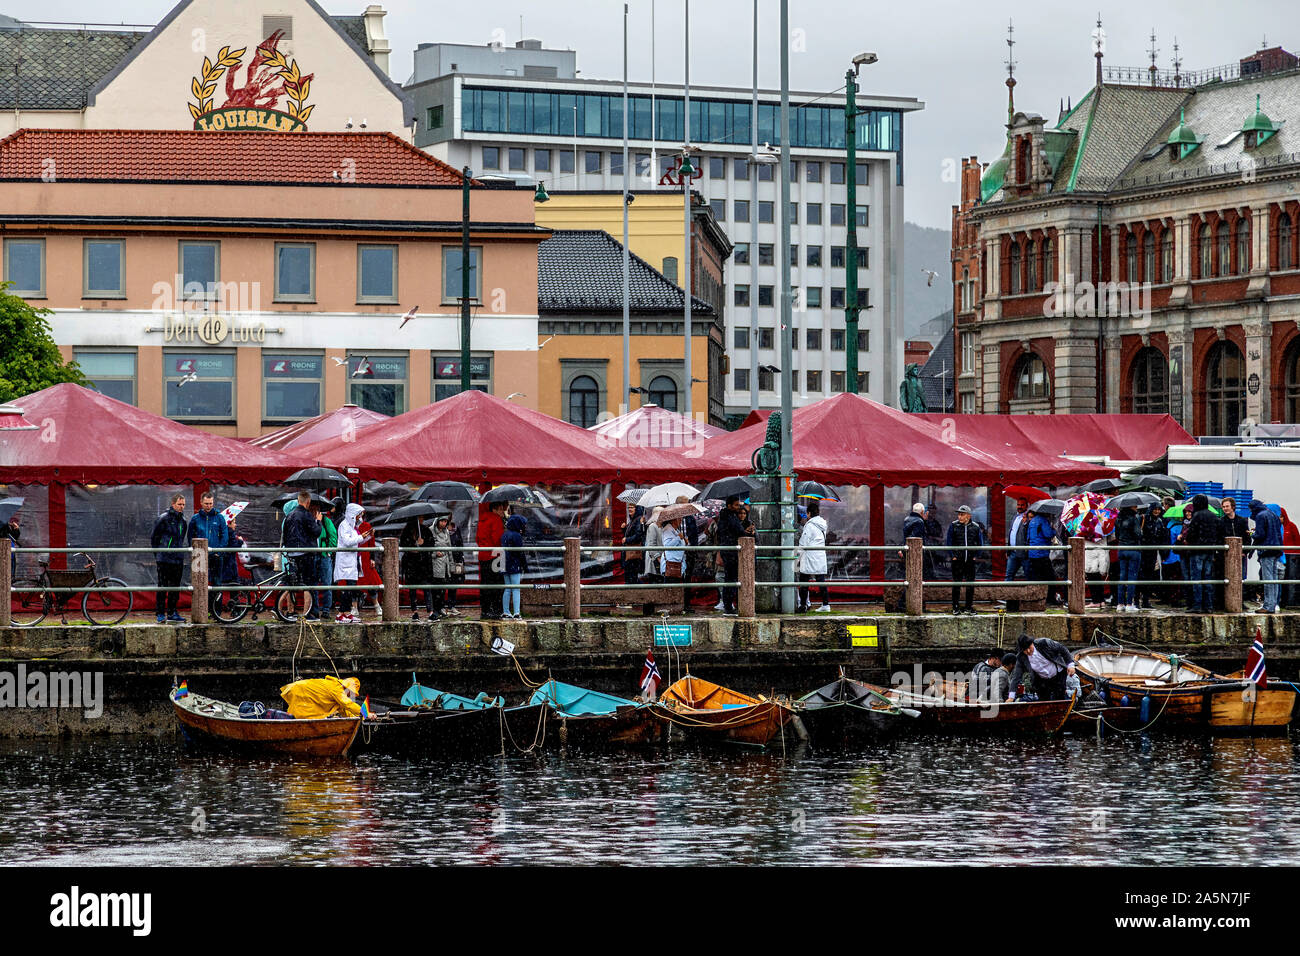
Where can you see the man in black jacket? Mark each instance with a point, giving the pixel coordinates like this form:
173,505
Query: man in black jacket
1048,661
1202,528
169,531
964,533
731,528
1154,533
919,524
302,530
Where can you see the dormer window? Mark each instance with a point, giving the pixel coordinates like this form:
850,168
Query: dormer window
1182,141
1258,128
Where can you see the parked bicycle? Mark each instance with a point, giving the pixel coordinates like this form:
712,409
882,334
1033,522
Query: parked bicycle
287,605
105,601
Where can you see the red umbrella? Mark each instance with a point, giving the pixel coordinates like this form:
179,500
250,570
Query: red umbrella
1024,491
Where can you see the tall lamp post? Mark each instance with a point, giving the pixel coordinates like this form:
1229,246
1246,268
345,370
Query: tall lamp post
787,361
851,309
464,281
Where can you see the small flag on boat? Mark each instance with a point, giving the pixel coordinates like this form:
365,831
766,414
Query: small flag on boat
650,677
1255,661
183,690
365,707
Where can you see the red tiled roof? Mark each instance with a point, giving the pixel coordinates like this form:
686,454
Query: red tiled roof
117,155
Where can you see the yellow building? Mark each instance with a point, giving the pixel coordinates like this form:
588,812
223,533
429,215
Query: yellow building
580,370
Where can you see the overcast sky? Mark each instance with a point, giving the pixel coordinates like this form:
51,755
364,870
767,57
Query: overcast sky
946,53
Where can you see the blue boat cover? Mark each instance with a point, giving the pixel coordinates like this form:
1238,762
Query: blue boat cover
571,701
419,694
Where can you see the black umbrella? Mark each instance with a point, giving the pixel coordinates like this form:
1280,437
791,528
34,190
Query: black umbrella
815,489
318,479
416,509
1133,499
1104,485
517,495
1175,486
1052,507
723,488
446,491
8,508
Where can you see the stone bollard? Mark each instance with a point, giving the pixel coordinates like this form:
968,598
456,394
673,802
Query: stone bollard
199,581
1232,564
1078,589
572,579
392,596
6,582
745,565
914,571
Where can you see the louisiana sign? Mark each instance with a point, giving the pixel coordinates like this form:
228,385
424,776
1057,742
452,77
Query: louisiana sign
272,96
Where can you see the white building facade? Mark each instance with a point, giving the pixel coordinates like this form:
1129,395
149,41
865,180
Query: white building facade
533,119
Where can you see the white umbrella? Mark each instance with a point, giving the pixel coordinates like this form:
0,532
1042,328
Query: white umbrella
666,494
632,495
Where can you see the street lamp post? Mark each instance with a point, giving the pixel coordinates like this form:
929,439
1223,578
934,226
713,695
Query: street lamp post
851,310
464,281
787,600
687,171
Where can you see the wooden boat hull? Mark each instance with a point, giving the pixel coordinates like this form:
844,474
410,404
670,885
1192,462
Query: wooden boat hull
431,732
709,711
846,724
629,727
218,725
952,715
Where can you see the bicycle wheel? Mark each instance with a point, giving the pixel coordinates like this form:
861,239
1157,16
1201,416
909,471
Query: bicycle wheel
29,608
233,606
290,604
107,602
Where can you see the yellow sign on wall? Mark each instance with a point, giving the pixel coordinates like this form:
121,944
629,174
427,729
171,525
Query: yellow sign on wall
864,635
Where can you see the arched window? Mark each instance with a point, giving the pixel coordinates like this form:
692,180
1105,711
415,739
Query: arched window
1150,382
1149,257
1205,243
965,290
1284,242
1031,378
1291,373
1049,261
1015,268
584,401
1031,266
1225,389
1131,259
663,392
1225,250
1167,256
1243,246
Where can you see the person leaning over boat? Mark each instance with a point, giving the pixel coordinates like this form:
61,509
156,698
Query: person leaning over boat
1049,662
316,697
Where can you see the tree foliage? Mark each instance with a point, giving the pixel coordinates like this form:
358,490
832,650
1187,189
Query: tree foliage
29,359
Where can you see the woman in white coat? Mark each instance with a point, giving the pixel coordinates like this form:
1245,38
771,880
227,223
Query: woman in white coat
347,563
812,557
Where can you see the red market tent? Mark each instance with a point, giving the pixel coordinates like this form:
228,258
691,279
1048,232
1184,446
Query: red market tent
651,426
84,437
1118,437
341,422
478,438
848,439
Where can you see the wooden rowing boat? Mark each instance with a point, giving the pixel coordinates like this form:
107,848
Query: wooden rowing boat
434,723
1172,692
589,718
217,724
710,711
944,708
847,711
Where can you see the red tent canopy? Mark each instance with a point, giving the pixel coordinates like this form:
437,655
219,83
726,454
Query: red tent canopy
651,426
1120,437
848,439
84,437
476,437
347,420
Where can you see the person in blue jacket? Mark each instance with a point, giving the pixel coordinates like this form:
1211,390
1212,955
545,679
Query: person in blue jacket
1268,547
208,523
1041,535
516,564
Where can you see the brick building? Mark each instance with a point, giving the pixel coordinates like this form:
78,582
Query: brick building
1139,255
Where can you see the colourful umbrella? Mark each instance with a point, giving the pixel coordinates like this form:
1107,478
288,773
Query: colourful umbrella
1087,516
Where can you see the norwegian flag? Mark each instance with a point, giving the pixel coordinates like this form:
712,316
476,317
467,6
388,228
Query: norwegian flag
1255,661
650,677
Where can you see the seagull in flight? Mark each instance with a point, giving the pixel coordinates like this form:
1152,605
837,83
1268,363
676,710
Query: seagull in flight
339,361
190,377
930,276
409,315
363,367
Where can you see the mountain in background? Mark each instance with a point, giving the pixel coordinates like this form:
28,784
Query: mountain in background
925,249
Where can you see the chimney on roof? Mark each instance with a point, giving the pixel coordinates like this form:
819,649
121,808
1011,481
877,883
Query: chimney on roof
376,42
528,45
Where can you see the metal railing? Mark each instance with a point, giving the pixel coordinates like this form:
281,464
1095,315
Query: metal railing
657,590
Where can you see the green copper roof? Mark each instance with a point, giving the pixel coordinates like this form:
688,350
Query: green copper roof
1258,121
993,177
1182,133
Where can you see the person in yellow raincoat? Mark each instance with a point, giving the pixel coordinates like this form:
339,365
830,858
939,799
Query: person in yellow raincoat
322,697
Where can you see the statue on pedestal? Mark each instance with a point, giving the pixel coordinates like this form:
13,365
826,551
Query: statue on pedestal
911,397
766,459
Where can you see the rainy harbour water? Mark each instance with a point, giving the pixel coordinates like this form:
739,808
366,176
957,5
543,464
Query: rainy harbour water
1128,800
